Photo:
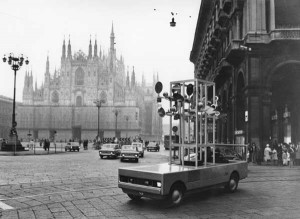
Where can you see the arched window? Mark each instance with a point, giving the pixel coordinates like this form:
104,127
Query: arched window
55,97
78,101
79,76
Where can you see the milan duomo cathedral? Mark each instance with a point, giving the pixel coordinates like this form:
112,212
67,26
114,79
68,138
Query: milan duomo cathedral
65,102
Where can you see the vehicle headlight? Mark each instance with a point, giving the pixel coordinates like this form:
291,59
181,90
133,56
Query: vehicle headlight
111,153
158,184
123,155
136,155
100,152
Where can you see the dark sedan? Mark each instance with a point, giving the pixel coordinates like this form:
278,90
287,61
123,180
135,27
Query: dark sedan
110,150
153,146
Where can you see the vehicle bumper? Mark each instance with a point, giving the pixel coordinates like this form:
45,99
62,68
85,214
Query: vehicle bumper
139,190
129,157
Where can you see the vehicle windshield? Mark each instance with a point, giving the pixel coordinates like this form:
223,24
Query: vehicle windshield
152,144
128,147
139,145
109,146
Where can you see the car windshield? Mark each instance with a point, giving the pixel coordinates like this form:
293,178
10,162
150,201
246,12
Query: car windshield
108,146
128,147
152,144
137,145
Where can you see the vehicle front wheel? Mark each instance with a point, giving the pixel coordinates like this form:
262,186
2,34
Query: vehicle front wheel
101,156
233,182
176,195
134,197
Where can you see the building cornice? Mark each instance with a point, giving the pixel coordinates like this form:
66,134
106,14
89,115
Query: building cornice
204,17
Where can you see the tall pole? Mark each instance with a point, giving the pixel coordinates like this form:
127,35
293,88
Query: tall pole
116,113
14,102
98,120
98,104
14,112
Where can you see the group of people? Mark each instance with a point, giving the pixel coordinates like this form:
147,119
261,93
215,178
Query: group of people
282,154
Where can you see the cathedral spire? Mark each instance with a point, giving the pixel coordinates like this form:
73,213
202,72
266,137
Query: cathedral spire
69,49
95,48
47,65
90,48
112,39
133,78
127,78
63,56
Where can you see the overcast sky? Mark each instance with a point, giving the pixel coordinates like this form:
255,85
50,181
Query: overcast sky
143,35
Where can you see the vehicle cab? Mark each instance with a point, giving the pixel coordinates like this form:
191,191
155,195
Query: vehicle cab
140,148
201,163
110,151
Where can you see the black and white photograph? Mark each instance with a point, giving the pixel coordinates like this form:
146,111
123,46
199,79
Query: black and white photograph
149,109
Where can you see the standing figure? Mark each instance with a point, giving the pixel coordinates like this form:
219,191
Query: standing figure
267,153
274,157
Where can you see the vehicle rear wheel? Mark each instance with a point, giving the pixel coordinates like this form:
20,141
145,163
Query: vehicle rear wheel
176,194
134,197
233,182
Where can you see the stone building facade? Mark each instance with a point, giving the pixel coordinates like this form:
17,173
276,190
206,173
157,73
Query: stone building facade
250,49
65,103
6,107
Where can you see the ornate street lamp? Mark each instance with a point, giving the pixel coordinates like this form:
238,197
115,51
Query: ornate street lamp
98,105
15,63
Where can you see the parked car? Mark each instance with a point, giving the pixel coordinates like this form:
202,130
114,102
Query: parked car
140,148
129,152
153,146
72,146
110,150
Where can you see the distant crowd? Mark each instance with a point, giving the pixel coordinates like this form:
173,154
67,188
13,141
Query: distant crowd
281,154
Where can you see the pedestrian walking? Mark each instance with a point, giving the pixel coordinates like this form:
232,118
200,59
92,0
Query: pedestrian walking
250,151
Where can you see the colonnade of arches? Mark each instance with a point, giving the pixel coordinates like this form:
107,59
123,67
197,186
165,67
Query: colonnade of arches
278,105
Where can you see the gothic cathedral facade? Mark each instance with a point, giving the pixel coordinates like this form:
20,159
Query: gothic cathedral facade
66,103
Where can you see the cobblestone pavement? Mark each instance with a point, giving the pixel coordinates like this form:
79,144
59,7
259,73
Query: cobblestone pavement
81,185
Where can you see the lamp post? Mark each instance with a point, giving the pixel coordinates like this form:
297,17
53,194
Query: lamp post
98,105
15,63
126,118
116,112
